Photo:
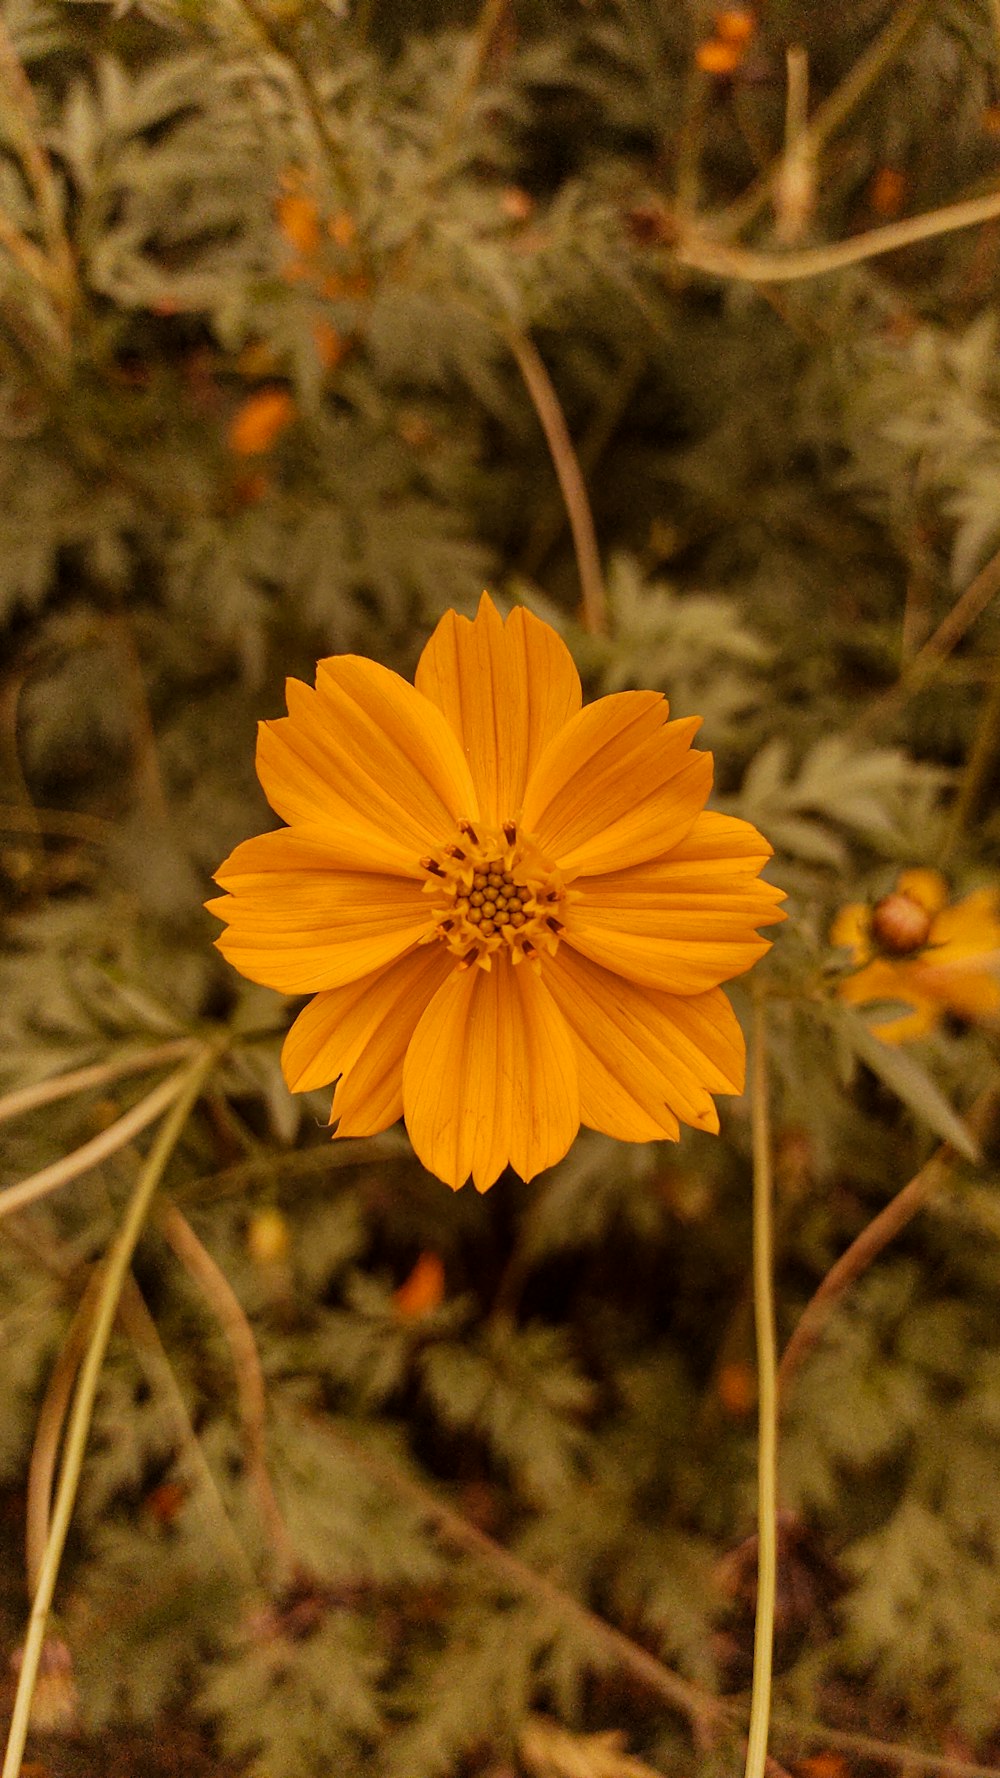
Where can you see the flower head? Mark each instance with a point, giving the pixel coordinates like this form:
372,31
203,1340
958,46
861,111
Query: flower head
915,946
513,913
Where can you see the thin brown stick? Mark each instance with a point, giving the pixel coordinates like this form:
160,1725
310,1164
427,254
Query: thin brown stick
967,609
91,1154
701,1708
697,1705
138,1324
699,252
68,824
574,489
979,767
250,1387
869,1244
80,1080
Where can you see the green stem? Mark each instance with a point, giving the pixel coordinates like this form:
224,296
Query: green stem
113,1281
767,1434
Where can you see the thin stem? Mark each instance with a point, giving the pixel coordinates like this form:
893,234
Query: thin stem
700,1707
767,1413
91,1154
68,824
138,1323
834,111
980,764
875,1236
112,1281
80,1080
964,613
574,489
250,1387
48,1432
703,254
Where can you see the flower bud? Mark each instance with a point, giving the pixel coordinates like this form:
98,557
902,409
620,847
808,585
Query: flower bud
900,925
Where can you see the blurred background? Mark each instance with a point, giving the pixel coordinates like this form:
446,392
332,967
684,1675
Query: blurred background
317,317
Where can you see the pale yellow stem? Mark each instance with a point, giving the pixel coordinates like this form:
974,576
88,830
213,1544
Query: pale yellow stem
92,1153
98,1074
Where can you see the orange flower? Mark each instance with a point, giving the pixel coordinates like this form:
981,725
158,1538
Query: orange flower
259,421
916,947
514,913
423,1290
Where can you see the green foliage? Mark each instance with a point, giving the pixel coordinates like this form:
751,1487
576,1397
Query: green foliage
344,212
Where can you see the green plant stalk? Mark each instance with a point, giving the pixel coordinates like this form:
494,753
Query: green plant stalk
115,1273
767,1415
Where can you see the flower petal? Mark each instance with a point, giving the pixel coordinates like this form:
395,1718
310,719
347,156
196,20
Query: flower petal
617,785
686,922
968,928
297,925
851,929
332,1035
366,748
506,689
647,1059
490,1077
926,887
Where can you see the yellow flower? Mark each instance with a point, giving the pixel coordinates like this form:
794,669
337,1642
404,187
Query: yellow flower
514,913
916,947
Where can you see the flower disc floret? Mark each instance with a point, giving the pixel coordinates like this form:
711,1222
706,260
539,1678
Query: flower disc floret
493,889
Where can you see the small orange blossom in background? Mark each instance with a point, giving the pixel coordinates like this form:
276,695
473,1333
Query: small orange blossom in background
513,913
917,947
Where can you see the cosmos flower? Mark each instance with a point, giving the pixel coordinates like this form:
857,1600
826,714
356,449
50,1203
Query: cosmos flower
513,913
917,947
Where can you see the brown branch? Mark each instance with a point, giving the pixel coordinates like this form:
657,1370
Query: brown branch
702,1709
869,1244
574,489
964,613
699,252
250,1387
79,1080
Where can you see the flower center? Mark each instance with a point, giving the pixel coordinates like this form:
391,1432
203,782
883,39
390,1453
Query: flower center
492,889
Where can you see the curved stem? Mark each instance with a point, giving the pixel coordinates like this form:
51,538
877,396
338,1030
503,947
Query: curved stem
703,254
869,1244
250,1387
767,1418
62,1086
91,1153
574,489
112,1282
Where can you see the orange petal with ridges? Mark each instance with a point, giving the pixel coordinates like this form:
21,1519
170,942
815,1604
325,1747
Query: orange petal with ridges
490,1077
618,785
647,1059
305,930
506,689
331,1034
686,922
367,748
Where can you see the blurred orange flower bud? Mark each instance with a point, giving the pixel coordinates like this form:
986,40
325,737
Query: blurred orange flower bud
298,222
887,192
735,24
259,421
718,57
267,1236
736,1386
423,1290
342,228
900,924
330,345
